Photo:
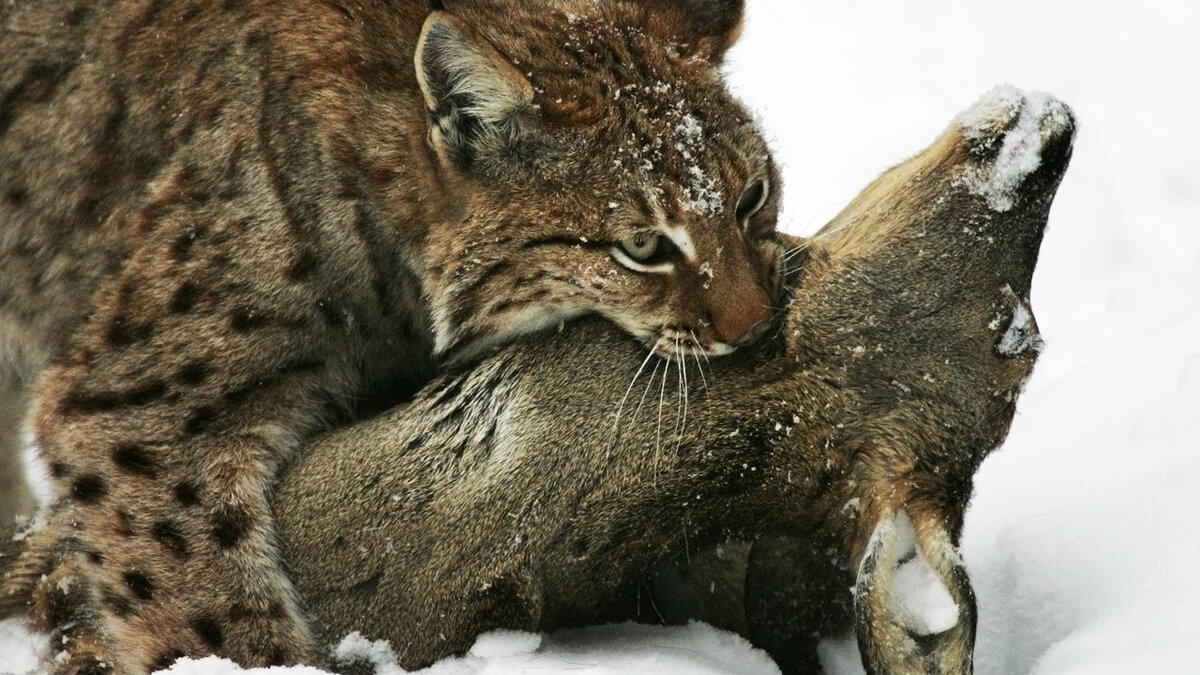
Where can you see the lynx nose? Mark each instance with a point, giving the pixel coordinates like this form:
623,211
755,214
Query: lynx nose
743,322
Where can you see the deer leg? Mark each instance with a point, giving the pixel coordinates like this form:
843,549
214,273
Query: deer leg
913,604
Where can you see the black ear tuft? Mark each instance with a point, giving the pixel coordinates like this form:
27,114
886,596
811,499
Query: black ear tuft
472,92
716,18
710,26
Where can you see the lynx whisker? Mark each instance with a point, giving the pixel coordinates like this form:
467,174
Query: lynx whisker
684,388
795,251
637,413
621,406
679,392
662,394
700,369
706,360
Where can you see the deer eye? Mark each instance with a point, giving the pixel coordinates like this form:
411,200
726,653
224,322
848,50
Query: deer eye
753,198
647,248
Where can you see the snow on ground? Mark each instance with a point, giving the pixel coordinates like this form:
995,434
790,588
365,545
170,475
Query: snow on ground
1083,541
696,649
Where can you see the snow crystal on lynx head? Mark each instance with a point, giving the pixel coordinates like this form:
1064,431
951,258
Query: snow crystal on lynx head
1039,116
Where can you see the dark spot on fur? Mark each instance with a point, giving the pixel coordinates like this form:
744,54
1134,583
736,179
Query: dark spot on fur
240,395
276,611
59,606
169,534
135,459
230,528
579,548
333,318
240,611
181,250
367,588
344,11
37,85
16,196
210,632
193,373
139,584
306,263
89,488
145,394
190,13
187,493
124,523
301,365
199,420
163,662
121,333
245,320
278,657
77,16
79,401
59,469
118,604
184,298
96,558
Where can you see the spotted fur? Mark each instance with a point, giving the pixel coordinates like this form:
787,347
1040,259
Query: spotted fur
227,225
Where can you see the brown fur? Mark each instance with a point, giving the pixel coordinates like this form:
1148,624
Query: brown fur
522,494
225,224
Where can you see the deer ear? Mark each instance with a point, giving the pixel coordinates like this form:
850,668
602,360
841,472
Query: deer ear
473,93
709,27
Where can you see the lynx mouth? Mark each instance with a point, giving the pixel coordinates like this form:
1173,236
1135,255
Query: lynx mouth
677,345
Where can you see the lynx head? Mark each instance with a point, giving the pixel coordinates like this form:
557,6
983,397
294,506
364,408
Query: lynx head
594,161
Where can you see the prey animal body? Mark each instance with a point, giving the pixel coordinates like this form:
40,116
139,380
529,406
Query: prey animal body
224,225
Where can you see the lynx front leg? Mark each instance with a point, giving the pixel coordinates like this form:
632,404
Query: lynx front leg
211,355
169,484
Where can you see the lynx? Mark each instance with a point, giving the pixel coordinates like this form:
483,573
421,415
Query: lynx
226,226
524,493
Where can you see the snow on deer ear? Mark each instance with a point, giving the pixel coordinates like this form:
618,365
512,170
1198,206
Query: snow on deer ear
705,28
473,93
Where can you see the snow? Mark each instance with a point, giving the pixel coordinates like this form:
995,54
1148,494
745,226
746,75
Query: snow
1021,336
20,651
356,648
1020,152
606,650
918,595
1082,541
703,193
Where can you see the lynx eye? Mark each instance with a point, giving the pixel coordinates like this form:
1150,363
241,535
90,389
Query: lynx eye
646,248
753,198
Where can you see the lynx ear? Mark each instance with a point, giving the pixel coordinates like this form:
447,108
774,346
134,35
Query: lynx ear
709,26
472,92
